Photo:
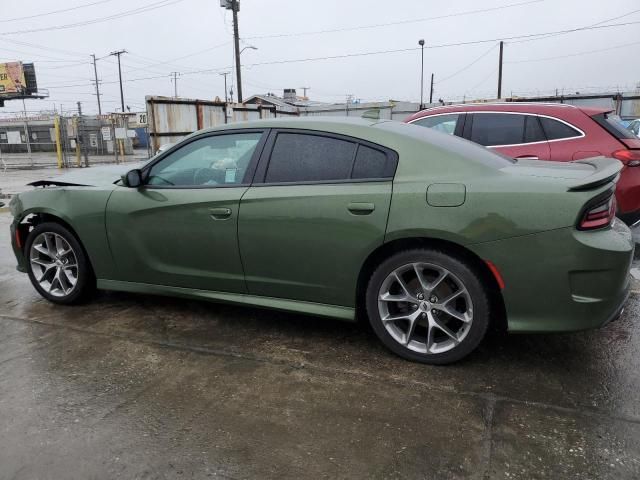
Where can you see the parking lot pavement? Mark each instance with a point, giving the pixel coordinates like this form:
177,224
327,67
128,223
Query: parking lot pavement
14,180
151,387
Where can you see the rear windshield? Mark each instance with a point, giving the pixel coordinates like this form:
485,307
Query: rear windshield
613,124
457,145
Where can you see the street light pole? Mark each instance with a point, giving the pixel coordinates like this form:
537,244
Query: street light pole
421,43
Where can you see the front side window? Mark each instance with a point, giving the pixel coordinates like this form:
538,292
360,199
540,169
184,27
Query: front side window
495,129
441,123
209,161
300,157
556,130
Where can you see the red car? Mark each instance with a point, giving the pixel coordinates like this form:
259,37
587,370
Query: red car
557,132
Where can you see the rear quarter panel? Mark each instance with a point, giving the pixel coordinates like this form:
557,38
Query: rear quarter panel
497,205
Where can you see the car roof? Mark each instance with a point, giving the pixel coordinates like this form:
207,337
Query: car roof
519,107
320,123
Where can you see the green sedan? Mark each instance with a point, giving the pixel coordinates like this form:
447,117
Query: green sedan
430,237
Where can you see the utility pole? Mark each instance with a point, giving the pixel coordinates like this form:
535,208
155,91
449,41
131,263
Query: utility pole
431,91
95,72
26,131
500,71
226,95
117,54
421,43
80,140
304,89
349,98
235,6
175,84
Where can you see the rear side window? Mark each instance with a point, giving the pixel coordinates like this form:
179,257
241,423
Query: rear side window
494,129
556,130
306,158
372,163
301,157
441,123
532,130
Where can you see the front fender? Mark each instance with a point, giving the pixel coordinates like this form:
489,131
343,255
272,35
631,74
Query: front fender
80,209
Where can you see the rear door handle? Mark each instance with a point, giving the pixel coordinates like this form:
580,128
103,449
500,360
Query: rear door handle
528,157
361,208
220,213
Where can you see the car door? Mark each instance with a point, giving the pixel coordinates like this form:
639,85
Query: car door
180,227
513,134
567,142
317,208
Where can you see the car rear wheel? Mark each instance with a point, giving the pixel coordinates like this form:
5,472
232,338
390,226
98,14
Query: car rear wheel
57,265
427,306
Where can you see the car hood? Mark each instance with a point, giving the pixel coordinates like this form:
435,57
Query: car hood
580,174
90,176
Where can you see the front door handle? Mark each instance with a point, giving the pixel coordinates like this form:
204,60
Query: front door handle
361,208
220,213
527,157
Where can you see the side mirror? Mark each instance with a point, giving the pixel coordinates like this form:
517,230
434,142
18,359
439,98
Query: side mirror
132,179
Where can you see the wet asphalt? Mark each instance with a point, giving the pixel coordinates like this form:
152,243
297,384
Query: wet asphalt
136,386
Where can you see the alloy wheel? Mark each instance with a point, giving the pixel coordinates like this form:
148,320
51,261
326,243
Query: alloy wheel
425,308
54,264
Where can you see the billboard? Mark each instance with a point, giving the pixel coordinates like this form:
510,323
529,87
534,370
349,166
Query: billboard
12,80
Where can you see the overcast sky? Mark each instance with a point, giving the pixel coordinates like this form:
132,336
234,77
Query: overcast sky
188,36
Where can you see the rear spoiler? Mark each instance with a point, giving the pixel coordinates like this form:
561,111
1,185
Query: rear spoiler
607,170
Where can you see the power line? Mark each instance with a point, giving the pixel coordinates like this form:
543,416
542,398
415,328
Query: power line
400,22
170,61
593,25
574,54
362,54
53,12
442,45
126,13
484,79
42,47
468,65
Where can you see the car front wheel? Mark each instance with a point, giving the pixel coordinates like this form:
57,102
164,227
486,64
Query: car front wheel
57,265
427,306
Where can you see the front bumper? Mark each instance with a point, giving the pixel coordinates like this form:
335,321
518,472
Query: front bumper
17,251
563,280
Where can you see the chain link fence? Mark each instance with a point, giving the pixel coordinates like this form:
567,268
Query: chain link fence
70,140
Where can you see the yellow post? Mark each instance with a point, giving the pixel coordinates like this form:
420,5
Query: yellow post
78,152
56,126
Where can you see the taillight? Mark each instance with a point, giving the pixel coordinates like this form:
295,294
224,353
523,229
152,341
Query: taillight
599,215
631,158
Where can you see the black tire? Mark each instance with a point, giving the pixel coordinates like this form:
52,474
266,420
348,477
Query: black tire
86,281
459,271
